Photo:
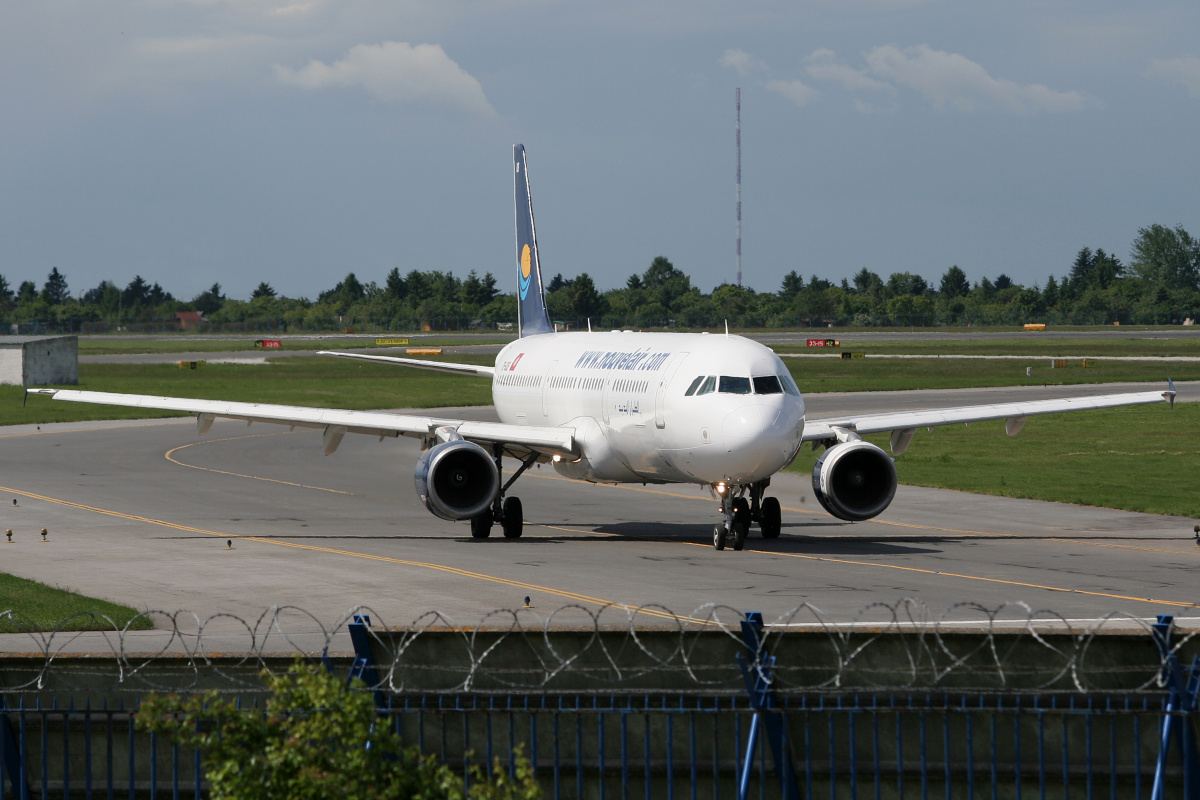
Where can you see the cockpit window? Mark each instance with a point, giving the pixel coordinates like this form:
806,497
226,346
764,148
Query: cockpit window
789,385
695,385
732,384
710,383
767,384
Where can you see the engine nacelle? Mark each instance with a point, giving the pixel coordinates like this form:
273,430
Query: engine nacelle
456,480
854,480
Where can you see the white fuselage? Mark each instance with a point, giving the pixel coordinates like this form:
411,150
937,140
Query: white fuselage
627,396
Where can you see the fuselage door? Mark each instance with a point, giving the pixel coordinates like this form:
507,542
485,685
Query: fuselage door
660,397
547,388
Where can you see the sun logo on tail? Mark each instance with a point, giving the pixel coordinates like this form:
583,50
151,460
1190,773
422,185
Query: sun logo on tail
526,268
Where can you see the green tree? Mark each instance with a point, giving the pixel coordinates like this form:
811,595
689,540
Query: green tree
262,290
583,299
1167,258
55,290
902,283
664,283
1003,282
867,282
793,284
316,739
394,285
136,293
954,283
1050,294
210,301
346,291
478,291
556,283
6,294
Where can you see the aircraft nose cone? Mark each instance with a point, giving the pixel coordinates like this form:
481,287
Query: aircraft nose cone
746,424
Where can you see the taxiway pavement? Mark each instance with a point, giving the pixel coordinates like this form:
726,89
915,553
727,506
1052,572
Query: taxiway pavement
141,513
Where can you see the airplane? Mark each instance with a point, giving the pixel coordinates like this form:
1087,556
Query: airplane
718,410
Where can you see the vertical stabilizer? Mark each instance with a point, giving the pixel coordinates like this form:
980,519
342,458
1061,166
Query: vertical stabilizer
531,300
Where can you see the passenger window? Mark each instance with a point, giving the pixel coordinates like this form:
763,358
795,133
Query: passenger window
734,385
710,383
789,385
767,384
695,385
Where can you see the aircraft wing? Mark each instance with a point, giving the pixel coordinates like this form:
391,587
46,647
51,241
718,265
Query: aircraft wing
903,423
419,363
517,440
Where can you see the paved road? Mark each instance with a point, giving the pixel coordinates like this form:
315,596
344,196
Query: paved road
140,512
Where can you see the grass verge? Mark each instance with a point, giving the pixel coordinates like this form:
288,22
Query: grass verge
220,344
1144,458
38,607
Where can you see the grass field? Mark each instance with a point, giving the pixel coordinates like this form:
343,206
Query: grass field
221,344
1031,344
35,606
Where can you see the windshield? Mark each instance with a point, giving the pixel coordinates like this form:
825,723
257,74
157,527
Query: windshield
731,384
767,384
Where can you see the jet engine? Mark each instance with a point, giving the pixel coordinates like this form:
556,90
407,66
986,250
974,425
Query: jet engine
456,480
854,480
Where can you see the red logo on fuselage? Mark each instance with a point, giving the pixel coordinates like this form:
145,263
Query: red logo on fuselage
516,361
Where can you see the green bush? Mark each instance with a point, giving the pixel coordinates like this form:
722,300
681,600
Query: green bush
316,738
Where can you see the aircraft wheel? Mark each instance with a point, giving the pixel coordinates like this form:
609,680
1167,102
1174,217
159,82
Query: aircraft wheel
513,518
719,536
481,526
771,522
741,512
740,529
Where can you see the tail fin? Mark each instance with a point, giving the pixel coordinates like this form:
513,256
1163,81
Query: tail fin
531,301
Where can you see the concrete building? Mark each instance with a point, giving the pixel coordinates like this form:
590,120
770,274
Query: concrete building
39,360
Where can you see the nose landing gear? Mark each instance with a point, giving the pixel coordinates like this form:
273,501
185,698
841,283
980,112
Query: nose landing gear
740,513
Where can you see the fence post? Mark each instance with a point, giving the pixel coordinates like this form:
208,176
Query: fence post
756,665
364,662
13,764
1182,693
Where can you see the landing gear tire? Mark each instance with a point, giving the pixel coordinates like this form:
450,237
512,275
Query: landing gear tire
513,518
719,536
771,522
740,529
481,526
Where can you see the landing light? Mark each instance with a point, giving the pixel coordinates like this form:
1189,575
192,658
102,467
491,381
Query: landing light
721,488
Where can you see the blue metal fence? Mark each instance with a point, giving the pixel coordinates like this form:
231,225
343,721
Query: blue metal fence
677,746
695,743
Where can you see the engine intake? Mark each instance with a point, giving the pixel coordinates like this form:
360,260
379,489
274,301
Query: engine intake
854,480
456,480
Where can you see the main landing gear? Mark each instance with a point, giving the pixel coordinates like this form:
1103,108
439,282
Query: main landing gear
505,510
740,512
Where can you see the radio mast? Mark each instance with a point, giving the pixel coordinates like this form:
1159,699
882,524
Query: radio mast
738,101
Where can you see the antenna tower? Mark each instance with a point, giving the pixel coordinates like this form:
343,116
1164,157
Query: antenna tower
738,101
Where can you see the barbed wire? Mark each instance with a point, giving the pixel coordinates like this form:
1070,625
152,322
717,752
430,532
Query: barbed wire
579,649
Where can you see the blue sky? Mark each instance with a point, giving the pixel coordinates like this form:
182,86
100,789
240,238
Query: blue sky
293,141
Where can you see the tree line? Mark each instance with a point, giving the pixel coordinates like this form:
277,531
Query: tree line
1161,284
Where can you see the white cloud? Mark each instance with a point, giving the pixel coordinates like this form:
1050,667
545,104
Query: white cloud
823,66
396,72
796,91
1184,71
955,80
742,62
